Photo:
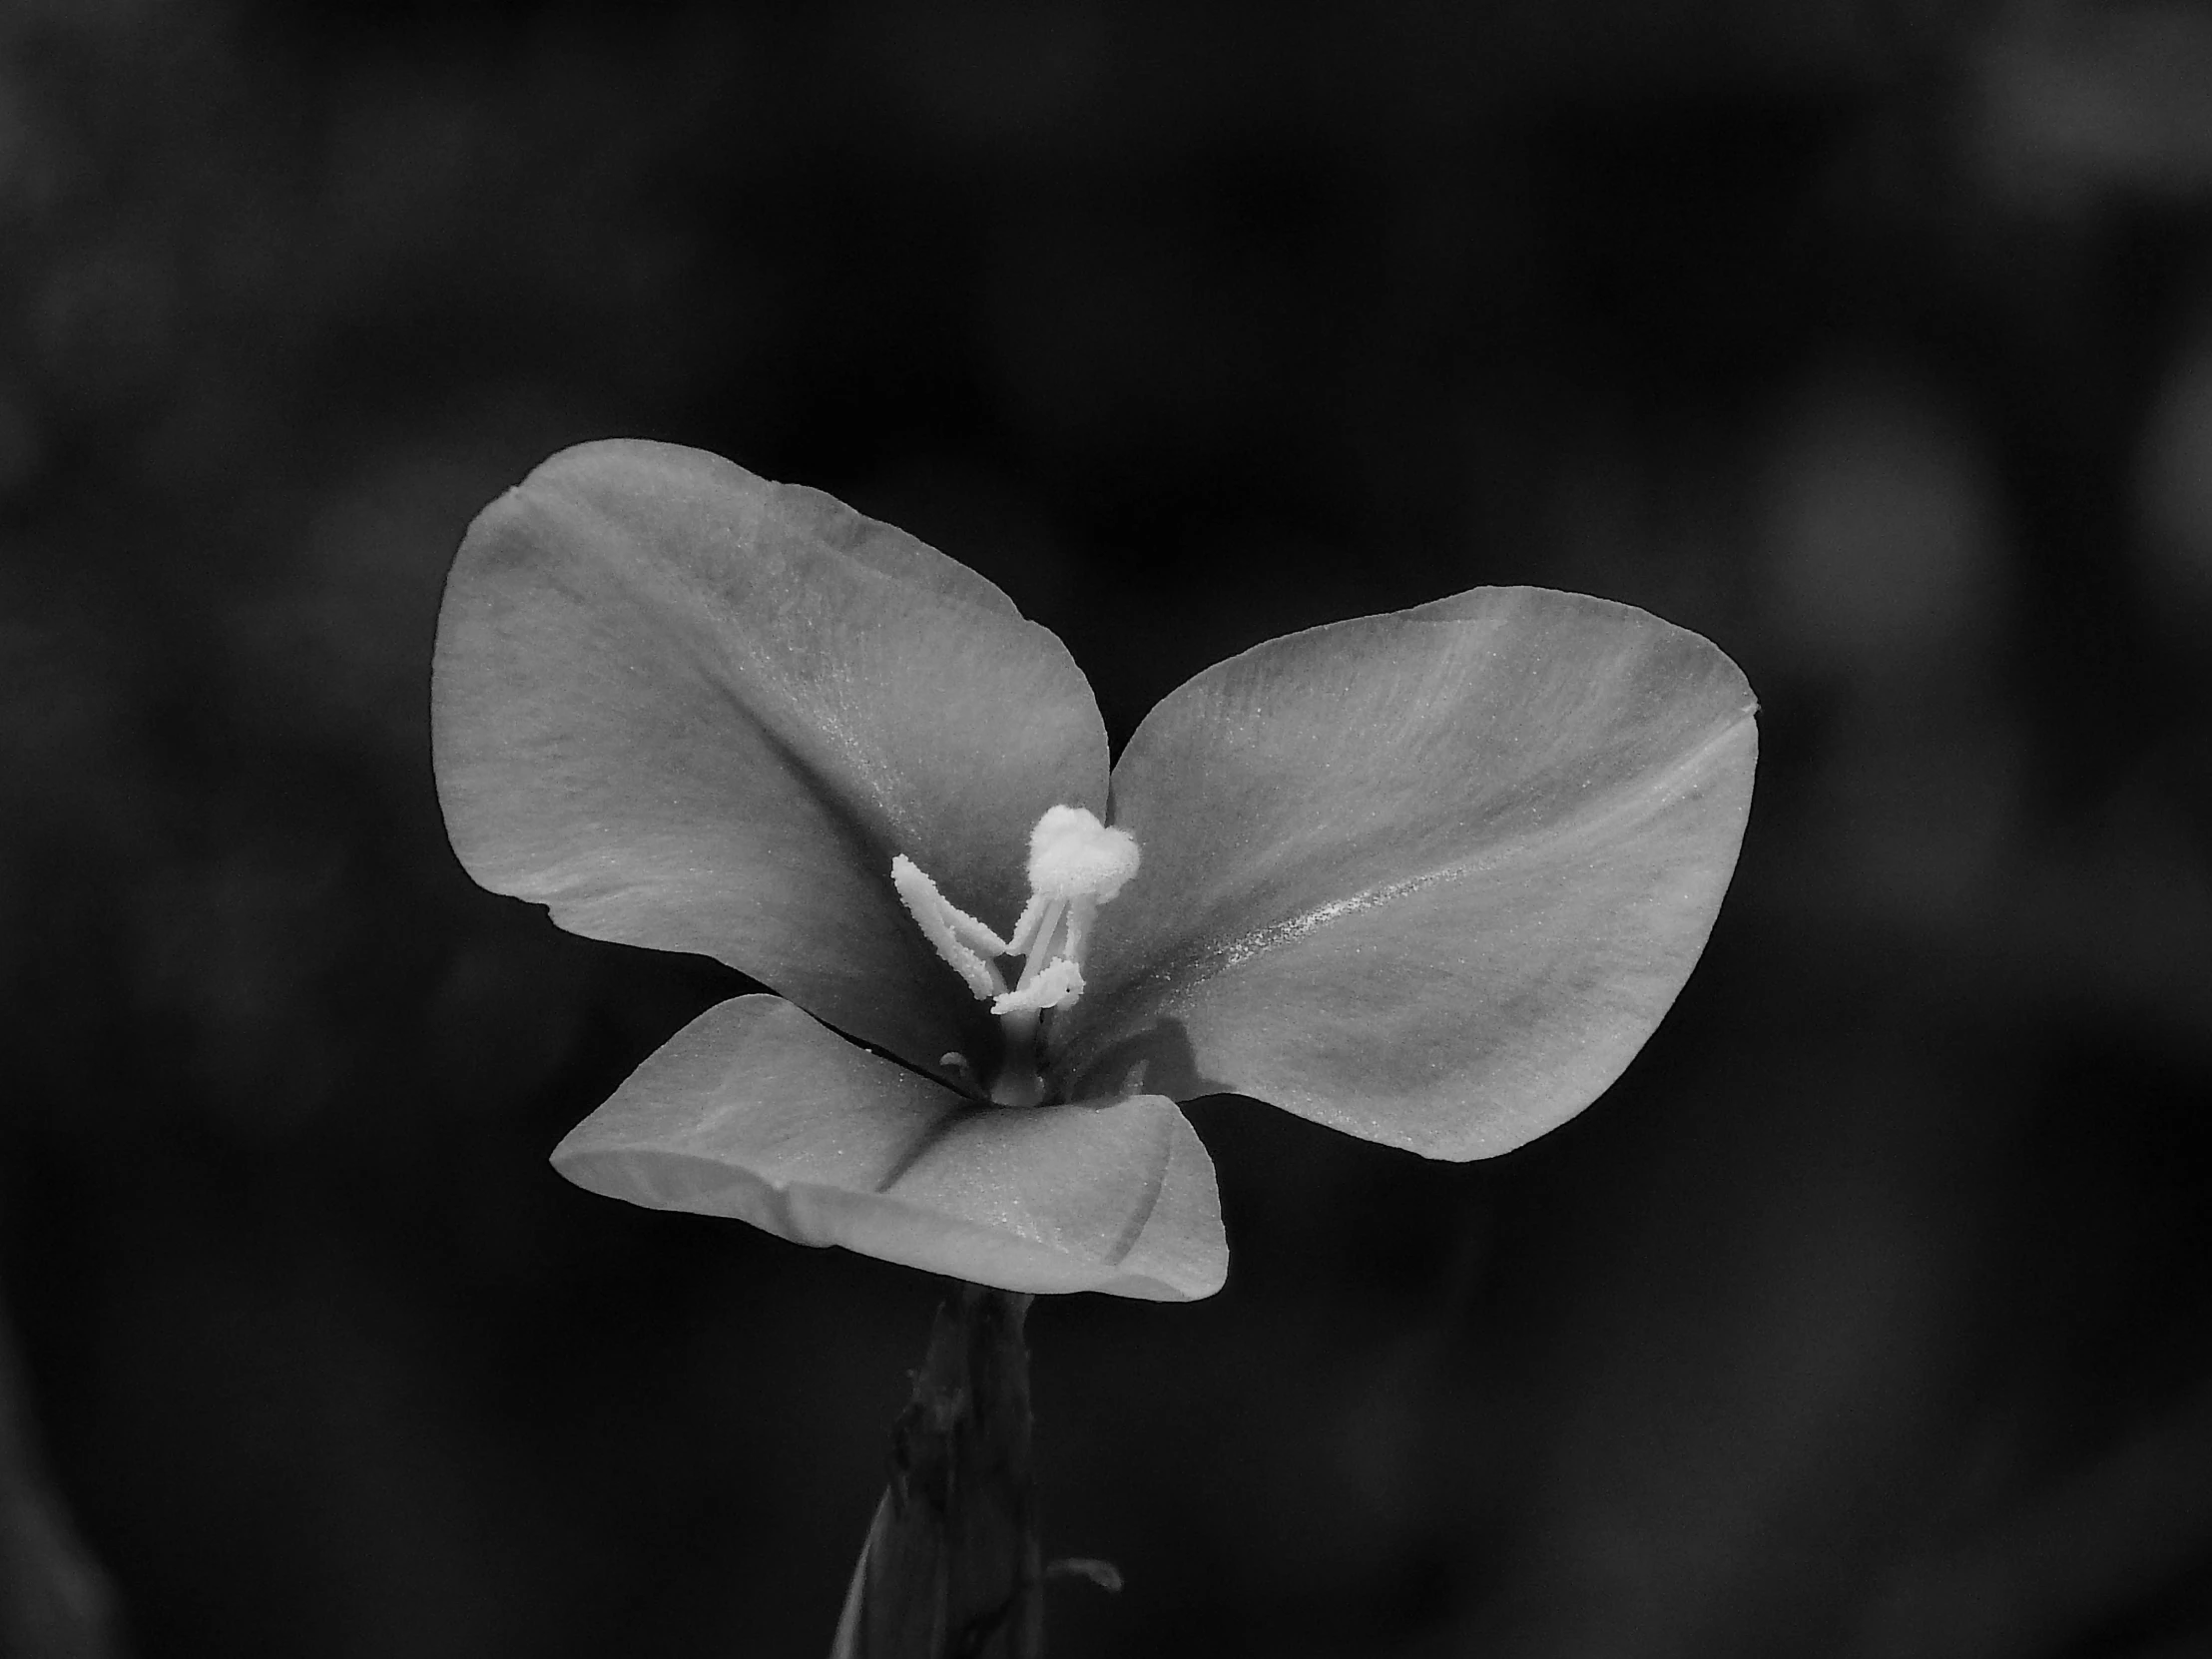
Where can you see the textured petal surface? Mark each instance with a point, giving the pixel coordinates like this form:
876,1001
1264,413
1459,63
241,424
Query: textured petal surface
1431,878
691,710
756,1112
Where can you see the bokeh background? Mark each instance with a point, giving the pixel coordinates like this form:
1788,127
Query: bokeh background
1867,1317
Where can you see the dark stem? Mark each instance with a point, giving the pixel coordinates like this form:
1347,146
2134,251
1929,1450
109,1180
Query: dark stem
952,1568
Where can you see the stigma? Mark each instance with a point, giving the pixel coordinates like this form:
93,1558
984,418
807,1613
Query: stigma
1076,864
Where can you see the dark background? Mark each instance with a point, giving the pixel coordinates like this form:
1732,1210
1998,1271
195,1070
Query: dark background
1866,1316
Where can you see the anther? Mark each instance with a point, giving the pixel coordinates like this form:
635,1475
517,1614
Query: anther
1076,865
959,937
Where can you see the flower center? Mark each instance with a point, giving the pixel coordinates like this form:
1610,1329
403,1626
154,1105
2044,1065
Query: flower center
1076,864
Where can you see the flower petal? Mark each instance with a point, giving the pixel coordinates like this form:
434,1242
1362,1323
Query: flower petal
691,710
754,1111
1431,878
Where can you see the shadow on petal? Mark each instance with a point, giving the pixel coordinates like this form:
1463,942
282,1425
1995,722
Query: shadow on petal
1156,1058
756,1112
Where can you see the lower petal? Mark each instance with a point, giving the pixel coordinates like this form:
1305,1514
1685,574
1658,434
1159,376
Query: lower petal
756,1112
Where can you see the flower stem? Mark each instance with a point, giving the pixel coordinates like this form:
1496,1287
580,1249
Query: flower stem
952,1568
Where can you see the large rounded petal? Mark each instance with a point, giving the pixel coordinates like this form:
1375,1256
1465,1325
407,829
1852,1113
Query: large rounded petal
754,1111
1432,877
688,709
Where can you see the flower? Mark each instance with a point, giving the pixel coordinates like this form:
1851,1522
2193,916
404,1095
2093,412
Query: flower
1430,878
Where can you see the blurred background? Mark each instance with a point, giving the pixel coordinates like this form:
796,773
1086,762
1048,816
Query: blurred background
1869,1315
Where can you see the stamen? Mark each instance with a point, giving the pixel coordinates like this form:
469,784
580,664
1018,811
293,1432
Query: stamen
1057,986
1081,913
1023,939
1039,943
942,924
1073,856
